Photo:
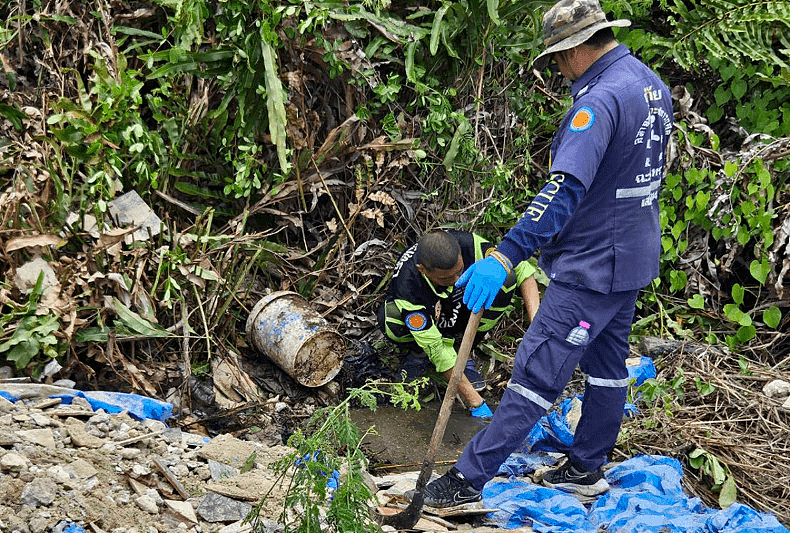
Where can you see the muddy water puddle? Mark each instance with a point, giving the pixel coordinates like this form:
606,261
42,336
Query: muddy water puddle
401,440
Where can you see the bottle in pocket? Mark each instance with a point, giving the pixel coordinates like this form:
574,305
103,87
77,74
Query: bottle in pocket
579,335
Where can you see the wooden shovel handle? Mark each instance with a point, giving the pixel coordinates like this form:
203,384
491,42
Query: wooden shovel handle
409,516
449,398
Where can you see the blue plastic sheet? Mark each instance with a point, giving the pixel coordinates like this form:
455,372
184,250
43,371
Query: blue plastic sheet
67,526
646,494
140,407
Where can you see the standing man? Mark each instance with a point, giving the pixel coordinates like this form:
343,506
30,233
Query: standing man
596,223
425,312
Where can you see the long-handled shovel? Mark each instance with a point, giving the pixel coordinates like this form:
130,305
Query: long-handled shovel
409,516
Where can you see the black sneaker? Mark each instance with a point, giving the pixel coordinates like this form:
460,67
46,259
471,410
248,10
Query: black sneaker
568,479
474,376
450,490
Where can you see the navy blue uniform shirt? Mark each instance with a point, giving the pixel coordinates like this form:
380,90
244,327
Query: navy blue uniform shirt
613,141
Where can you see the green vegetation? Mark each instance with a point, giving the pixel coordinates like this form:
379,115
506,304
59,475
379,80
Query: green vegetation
328,445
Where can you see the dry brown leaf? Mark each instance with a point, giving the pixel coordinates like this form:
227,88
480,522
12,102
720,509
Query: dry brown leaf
193,278
115,235
374,214
18,243
383,198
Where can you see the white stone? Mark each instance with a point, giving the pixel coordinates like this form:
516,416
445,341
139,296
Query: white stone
155,496
239,527
27,276
154,425
42,437
40,419
59,474
140,471
777,389
13,462
130,453
131,210
147,504
5,405
180,470
183,509
80,469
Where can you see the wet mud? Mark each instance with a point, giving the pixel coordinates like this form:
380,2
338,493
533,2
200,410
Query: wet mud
401,437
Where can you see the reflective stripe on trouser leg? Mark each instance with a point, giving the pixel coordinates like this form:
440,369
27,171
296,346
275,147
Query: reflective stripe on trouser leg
605,390
512,421
544,363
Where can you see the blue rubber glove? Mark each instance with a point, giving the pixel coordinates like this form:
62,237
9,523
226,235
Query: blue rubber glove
481,411
483,280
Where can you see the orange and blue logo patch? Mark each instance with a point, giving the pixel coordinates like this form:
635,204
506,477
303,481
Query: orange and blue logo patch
416,321
582,120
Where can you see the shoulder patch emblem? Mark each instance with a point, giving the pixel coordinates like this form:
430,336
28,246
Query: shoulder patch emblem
582,120
416,321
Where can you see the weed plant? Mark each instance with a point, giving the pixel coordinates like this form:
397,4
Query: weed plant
319,498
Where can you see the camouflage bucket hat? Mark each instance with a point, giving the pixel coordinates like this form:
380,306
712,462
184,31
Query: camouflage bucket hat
569,23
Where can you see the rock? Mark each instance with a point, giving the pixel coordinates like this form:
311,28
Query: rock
250,486
237,527
140,471
217,508
7,438
52,468
80,469
27,275
39,522
13,462
221,470
130,453
172,435
59,474
79,436
777,388
147,504
183,509
40,491
42,437
5,405
40,419
130,209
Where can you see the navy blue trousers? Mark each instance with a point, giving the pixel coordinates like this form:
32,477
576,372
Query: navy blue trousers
544,364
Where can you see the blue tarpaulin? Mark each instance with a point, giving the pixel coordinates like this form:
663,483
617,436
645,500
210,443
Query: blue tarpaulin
140,407
646,494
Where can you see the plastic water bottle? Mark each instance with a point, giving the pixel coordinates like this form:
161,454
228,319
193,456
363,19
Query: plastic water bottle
579,334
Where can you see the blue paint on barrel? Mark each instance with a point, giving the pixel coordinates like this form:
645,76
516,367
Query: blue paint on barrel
284,327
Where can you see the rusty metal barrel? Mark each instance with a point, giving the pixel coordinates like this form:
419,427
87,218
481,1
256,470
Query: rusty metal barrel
296,338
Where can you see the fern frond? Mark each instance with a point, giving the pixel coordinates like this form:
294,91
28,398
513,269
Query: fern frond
739,31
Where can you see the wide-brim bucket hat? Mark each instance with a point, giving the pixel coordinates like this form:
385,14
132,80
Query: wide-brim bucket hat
569,23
